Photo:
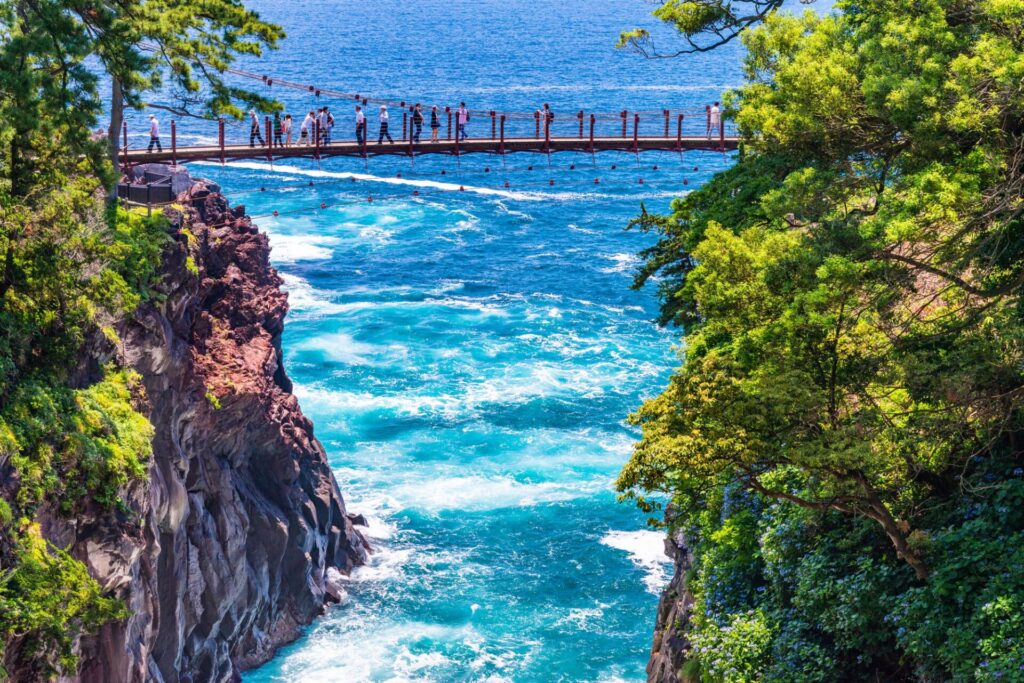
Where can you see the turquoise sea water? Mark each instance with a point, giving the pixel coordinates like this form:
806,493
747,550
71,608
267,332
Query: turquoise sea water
469,357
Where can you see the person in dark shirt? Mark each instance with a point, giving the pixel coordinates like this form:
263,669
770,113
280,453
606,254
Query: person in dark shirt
417,122
435,124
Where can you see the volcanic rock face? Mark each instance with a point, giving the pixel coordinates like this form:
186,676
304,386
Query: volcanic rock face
671,647
241,534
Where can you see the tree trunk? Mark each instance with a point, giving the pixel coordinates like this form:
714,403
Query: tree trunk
114,132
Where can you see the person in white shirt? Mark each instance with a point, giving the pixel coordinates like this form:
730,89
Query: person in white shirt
714,120
306,129
286,129
254,129
384,117
360,125
154,134
461,118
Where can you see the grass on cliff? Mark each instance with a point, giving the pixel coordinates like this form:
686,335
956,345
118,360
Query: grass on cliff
70,270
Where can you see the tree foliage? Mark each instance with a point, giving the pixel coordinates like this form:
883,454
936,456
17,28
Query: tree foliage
851,294
71,266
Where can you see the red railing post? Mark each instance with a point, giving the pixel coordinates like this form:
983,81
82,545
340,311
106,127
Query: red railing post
636,132
493,124
501,147
580,117
593,121
174,144
623,115
536,119
448,110
666,122
270,140
220,136
679,134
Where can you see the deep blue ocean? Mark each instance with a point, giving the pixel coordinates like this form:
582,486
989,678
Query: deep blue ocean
469,357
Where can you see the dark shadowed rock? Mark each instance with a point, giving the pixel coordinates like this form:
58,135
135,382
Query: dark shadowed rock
671,647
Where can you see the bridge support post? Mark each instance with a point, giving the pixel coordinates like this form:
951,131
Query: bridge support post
721,133
405,125
316,131
623,115
593,121
707,114
493,124
580,117
220,137
636,133
174,144
448,110
536,127
270,139
666,112
679,134
501,146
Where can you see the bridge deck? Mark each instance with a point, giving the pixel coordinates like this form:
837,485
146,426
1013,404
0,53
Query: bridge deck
405,148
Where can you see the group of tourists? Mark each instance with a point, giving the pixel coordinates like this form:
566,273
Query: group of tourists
321,123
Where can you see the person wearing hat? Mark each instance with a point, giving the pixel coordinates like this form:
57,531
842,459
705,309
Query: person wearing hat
384,126
254,131
154,134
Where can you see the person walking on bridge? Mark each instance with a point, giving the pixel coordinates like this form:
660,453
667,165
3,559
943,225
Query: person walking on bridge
384,117
462,118
417,121
254,129
154,134
714,120
306,129
286,128
360,126
435,124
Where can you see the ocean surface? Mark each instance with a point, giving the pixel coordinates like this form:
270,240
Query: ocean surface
469,356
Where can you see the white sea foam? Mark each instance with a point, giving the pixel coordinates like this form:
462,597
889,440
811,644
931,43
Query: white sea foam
583,618
403,652
646,549
294,248
520,383
387,180
624,263
343,348
453,186
478,493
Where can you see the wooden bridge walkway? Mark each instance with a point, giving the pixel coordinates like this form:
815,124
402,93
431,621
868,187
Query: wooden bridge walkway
352,148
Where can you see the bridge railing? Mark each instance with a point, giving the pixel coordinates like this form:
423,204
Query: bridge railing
625,126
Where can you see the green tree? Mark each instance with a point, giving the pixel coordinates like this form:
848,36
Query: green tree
851,296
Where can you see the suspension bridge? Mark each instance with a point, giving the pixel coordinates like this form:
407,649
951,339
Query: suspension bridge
489,132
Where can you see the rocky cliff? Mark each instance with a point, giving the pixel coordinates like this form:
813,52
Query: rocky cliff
671,647
240,536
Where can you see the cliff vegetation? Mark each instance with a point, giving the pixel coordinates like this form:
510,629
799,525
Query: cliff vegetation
842,444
